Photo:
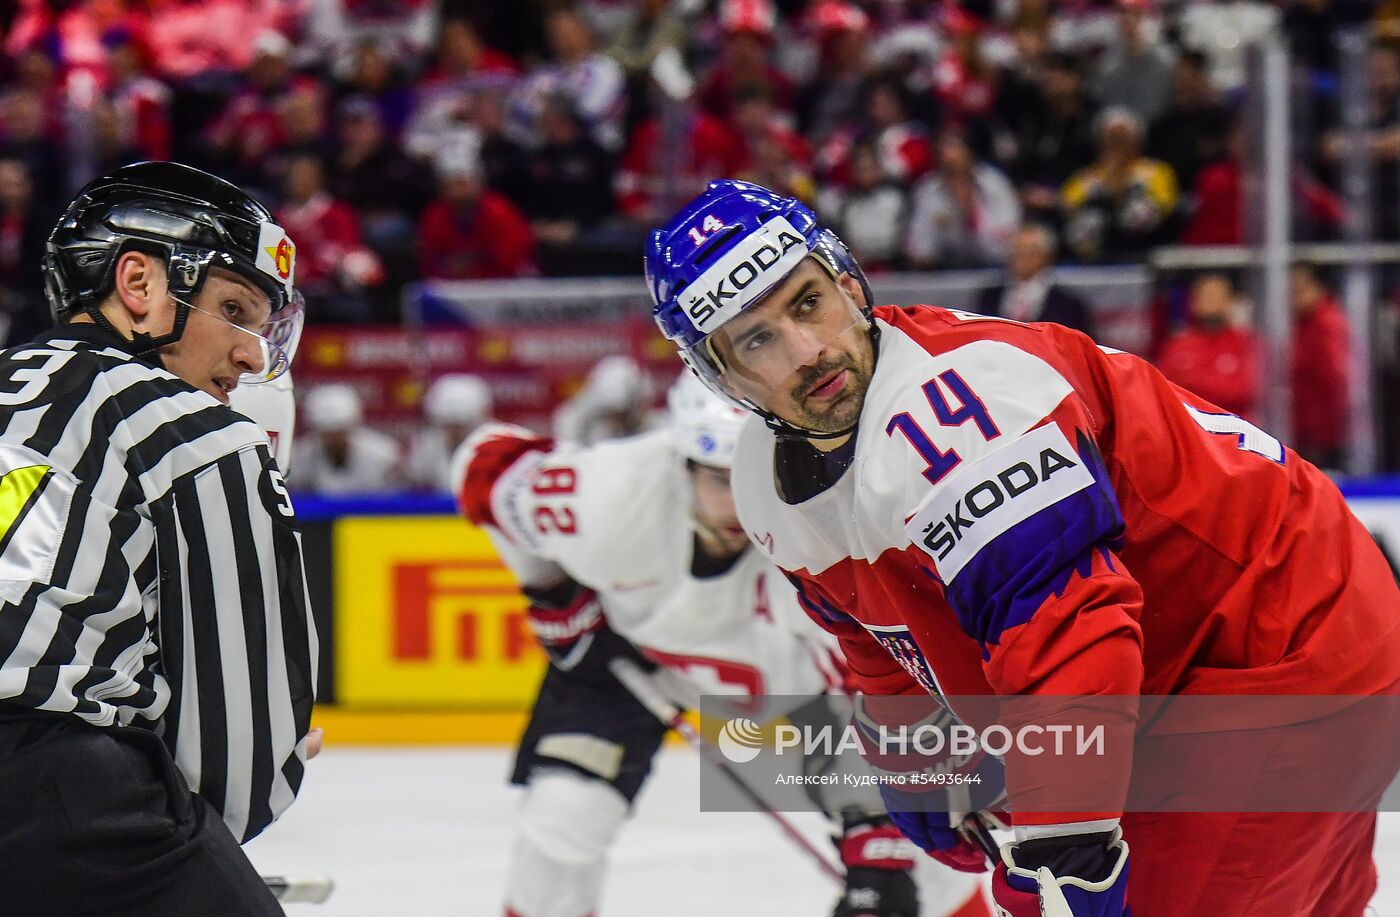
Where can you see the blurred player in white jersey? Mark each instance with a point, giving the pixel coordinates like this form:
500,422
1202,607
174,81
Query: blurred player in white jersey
455,405
633,548
611,404
338,454
272,406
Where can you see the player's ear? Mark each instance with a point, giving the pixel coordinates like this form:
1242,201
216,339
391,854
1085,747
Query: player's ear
138,282
853,288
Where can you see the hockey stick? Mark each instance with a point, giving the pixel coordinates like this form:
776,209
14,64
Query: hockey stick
312,887
974,830
651,697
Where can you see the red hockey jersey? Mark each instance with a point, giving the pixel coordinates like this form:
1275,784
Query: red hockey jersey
1028,513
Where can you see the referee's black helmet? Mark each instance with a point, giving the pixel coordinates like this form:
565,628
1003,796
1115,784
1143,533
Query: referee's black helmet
189,218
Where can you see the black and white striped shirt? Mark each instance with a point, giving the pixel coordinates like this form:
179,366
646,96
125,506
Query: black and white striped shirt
150,569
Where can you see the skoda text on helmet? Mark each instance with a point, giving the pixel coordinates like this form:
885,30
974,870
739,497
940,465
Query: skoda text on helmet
718,258
193,221
704,426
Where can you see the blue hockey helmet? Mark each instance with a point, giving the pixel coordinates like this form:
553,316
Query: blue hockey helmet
721,254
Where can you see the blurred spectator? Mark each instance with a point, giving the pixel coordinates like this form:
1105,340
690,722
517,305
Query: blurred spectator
502,157
963,82
107,145
1124,203
1051,137
1032,14
251,125
1382,140
35,70
901,143
375,74
1215,357
1136,73
388,192
1222,30
1319,371
748,27
964,214
1311,27
334,266
140,102
455,405
1029,292
670,158
1218,214
769,153
402,29
869,215
1018,91
246,94
369,174
570,188
1191,132
1387,343
771,164
831,101
1080,28
194,40
651,27
443,98
769,146
23,232
592,80
471,232
611,404
73,33
338,454
26,139
302,118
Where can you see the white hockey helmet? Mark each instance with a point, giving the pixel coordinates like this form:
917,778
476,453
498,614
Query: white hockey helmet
704,427
332,408
616,383
458,398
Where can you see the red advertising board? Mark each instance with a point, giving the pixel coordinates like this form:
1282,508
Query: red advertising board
531,369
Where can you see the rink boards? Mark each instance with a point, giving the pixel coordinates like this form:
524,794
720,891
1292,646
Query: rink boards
424,633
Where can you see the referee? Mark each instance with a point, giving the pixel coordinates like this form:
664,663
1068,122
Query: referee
157,657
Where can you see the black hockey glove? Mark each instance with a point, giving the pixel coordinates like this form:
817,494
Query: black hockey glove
879,865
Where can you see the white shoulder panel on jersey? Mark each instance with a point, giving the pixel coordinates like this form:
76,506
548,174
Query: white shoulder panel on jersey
968,403
891,478
609,514
990,495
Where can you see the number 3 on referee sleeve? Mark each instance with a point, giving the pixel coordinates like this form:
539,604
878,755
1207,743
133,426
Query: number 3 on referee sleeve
34,380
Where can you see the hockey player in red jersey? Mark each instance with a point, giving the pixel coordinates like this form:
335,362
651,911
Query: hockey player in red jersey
979,506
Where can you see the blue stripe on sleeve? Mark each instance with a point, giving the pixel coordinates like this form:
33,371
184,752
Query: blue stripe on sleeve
1012,576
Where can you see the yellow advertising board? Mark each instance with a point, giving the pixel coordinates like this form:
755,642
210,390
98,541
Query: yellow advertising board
427,616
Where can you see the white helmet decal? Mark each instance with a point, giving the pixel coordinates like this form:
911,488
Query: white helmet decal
704,427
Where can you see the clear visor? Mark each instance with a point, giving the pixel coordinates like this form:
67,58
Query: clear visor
803,355
275,338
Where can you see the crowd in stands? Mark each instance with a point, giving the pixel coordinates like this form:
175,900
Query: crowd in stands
473,139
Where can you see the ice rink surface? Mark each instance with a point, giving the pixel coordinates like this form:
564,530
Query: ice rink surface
424,832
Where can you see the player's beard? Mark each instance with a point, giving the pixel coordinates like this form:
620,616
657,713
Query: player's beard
842,412
715,540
